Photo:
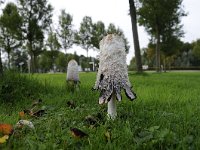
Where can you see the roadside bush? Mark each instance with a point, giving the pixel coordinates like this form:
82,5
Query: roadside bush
16,87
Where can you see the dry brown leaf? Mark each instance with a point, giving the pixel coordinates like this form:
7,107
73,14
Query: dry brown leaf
77,133
6,129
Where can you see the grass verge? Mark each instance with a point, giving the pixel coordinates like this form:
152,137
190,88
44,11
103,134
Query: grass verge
164,116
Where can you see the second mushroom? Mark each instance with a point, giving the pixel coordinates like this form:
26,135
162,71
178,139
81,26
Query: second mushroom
72,77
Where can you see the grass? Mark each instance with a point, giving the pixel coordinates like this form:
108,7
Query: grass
164,116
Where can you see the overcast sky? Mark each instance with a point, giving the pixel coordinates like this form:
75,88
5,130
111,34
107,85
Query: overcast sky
116,11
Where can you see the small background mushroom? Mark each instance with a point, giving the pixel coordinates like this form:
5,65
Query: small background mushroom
112,73
72,75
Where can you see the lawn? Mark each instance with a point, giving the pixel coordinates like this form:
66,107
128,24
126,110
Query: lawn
165,114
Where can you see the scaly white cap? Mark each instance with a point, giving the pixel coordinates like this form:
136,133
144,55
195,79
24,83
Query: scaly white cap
113,73
72,71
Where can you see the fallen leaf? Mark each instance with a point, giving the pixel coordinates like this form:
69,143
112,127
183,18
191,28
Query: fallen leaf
77,133
28,112
38,113
37,102
22,115
71,104
6,129
90,120
99,116
4,139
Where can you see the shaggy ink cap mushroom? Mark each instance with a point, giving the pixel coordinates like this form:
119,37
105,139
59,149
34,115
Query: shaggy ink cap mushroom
72,71
112,73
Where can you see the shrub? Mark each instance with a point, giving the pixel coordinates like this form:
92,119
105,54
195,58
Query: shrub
16,87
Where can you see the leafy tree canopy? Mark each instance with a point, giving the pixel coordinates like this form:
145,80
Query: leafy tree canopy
10,29
65,30
196,49
37,16
85,34
99,32
156,15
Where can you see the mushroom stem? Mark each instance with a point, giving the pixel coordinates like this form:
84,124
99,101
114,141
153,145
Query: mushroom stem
112,108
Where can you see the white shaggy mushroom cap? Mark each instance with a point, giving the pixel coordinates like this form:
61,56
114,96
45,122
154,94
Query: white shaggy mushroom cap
72,71
112,73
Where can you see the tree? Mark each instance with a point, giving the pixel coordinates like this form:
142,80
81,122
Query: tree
159,16
196,49
37,16
19,60
65,30
61,62
135,35
1,66
53,47
99,32
186,47
113,30
148,55
44,62
85,33
1,2
10,24
170,47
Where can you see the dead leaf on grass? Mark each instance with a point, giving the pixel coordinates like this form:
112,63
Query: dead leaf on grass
71,104
37,102
77,133
6,129
39,113
4,139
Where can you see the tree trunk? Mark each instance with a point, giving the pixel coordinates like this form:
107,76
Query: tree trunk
1,66
34,64
164,64
157,51
65,50
53,64
87,52
87,61
31,55
135,36
31,63
169,64
9,61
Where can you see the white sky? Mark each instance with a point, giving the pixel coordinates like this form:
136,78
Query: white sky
116,11
108,11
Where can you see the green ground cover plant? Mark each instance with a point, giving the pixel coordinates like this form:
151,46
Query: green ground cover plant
165,114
